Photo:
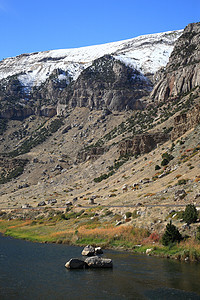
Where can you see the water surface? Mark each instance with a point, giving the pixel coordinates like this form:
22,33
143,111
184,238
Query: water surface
36,271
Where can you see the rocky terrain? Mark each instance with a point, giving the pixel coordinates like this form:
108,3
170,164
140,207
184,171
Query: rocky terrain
115,126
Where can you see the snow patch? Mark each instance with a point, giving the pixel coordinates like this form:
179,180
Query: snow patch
144,53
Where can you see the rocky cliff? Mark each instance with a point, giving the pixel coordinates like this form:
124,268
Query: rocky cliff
113,75
142,143
108,83
185,121
182,73
91,153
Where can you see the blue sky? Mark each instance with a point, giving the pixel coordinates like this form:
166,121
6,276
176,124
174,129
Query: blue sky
38,25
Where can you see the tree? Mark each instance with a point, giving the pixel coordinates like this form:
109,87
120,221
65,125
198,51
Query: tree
166,158
164,162
190,214
157,167
171,235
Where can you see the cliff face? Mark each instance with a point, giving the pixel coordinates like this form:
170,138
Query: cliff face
182,73
110,76
92,154
108,83
185,121
142,144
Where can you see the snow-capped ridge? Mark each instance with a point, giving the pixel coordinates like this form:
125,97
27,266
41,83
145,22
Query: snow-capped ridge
145,53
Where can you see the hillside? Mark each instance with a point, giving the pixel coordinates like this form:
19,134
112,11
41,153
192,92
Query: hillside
115,124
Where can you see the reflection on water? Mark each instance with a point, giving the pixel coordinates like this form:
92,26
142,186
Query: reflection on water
36,271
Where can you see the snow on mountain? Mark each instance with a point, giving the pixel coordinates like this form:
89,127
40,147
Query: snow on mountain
145,53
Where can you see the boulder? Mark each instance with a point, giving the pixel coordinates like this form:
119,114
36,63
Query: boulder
75,263
180,194
98,250
98,262
68,203
66,129
88,251
42,203
52,201
148,251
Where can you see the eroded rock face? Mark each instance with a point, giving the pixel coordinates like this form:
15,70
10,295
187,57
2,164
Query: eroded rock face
108,83
185,121
18,113
182,73
142,143
91,153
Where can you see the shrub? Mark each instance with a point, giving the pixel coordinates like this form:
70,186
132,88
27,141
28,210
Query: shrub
134,214
154,237
164,162
190,214
182,181
128,214
171,235
167,156
157,167
198,233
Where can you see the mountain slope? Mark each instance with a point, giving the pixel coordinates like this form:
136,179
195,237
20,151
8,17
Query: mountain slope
138,157
146,53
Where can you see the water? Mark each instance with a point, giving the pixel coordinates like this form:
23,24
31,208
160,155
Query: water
36,271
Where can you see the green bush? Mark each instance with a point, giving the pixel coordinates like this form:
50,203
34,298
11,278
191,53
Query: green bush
164,162
157,167
198,233
182,181
166,158
190,214
128,214
171,235
134,214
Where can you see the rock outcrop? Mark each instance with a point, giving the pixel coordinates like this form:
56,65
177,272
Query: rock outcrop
16,113
108,83
185,121
182,73
91,153
141,144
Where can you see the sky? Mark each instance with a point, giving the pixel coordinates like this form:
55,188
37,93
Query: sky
38,25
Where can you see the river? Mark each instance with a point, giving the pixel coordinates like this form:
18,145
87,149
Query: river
36,271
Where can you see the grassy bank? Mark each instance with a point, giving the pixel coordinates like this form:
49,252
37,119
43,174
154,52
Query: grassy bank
84,228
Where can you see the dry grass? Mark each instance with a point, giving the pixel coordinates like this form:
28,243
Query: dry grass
28,222
127,233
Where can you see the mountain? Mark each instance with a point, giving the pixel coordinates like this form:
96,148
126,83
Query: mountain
182,72
146,53
46,77
118,123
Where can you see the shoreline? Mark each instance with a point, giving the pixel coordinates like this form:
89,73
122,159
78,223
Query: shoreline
26,230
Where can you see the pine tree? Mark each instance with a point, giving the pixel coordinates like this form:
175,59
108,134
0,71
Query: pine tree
190,214
171,235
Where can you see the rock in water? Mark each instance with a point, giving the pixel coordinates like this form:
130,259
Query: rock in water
75,263
88,251
98,262
98,250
